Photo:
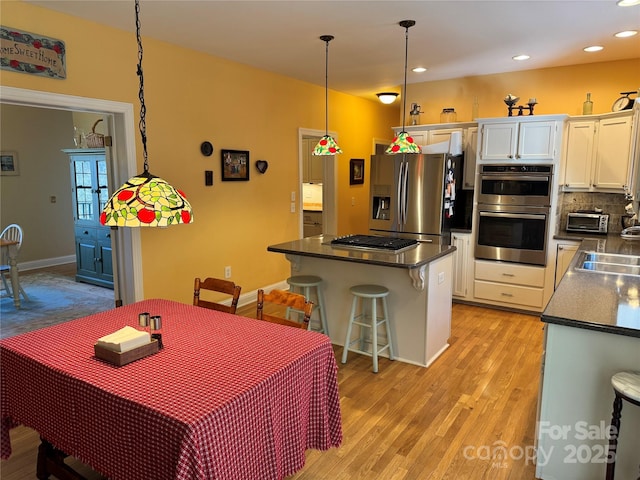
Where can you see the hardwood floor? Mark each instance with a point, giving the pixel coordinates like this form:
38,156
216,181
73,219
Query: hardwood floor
448,421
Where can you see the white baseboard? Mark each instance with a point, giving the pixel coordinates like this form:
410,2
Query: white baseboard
46,262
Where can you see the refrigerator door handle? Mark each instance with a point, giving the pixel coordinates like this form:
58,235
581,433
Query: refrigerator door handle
400,195
405,196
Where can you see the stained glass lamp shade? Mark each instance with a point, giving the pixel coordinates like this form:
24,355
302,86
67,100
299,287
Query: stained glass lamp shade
327,145
145,200
403,143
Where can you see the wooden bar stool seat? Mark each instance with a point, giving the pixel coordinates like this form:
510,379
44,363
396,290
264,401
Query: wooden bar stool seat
309,285
371,320
626,386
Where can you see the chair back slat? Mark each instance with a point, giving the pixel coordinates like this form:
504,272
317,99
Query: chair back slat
216,285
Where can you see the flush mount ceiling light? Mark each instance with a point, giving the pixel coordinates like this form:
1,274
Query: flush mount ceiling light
419,70
404,143
145,200
593,48
521,57
628,3
387,97
626,33
327,145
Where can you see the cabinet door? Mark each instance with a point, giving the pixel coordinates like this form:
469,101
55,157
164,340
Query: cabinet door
499,141
460,262
613,154
564,255
441,135
470,152
579,154
536,141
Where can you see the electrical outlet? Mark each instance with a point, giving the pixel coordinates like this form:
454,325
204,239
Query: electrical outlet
227,272
293,207
293,196
440,277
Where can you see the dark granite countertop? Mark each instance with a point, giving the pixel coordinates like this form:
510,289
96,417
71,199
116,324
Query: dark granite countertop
319,246
603,302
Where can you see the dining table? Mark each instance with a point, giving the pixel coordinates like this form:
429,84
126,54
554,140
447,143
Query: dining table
11,247
227,397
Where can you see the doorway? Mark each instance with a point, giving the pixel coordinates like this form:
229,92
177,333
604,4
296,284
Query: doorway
307,140
121,127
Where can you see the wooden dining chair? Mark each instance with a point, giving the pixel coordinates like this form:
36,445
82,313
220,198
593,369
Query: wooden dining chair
12,233
216,285
272,307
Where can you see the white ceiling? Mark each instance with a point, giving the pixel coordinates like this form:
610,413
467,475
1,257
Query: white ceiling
452,38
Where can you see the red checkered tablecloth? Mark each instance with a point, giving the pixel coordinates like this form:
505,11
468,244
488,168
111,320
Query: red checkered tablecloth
227,398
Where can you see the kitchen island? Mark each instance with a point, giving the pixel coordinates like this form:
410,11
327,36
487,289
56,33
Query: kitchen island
418,279
592,331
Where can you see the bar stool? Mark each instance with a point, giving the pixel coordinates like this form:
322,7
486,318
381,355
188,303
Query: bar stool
361,293
304,284
626,386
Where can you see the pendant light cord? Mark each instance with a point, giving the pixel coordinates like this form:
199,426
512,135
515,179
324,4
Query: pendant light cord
143,109
406,56
326,89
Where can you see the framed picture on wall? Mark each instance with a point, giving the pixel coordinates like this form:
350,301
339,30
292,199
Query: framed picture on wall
235,165
356,171
9,163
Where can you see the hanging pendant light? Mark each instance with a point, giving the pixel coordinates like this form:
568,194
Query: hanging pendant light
327,145
145,200
404,143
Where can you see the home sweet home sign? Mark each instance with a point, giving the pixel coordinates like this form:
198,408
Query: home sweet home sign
31,53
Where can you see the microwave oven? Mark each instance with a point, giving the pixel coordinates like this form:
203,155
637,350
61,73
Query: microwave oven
587,222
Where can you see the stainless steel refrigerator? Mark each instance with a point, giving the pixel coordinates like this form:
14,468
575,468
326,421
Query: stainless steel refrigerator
414,195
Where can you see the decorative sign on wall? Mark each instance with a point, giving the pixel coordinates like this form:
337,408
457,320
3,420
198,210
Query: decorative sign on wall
27,52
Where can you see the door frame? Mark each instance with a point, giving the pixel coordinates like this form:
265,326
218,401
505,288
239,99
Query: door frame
329,185
128,270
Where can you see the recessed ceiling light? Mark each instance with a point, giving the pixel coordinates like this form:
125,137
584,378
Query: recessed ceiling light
628,3
593,48
626,33
521,57
419,69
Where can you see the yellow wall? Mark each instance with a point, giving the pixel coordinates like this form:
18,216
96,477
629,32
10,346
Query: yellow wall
557,90
192,97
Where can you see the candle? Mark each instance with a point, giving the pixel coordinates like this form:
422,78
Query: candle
532,101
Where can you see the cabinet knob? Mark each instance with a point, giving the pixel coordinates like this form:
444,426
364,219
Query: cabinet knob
509,156
517,156
85,232
560,247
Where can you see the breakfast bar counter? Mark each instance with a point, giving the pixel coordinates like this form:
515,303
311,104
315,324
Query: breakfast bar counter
592,331
419,279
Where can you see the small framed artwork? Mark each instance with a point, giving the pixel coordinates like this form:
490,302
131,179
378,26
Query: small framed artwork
9,163
356,171
235,165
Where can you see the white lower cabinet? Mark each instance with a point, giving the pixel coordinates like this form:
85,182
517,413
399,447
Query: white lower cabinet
564,255
462,265
510,284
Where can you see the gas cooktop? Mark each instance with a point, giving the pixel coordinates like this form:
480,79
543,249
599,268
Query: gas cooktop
373,242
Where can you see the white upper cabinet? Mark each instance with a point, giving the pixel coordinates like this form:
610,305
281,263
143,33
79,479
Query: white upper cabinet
516,139
598,153
470,152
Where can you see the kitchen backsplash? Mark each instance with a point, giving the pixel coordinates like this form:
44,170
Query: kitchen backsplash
611,203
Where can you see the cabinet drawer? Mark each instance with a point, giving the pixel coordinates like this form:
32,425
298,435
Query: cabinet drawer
312,218
510,273
514,294
86,232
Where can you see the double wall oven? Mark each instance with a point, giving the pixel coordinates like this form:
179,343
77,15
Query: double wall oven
512,214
